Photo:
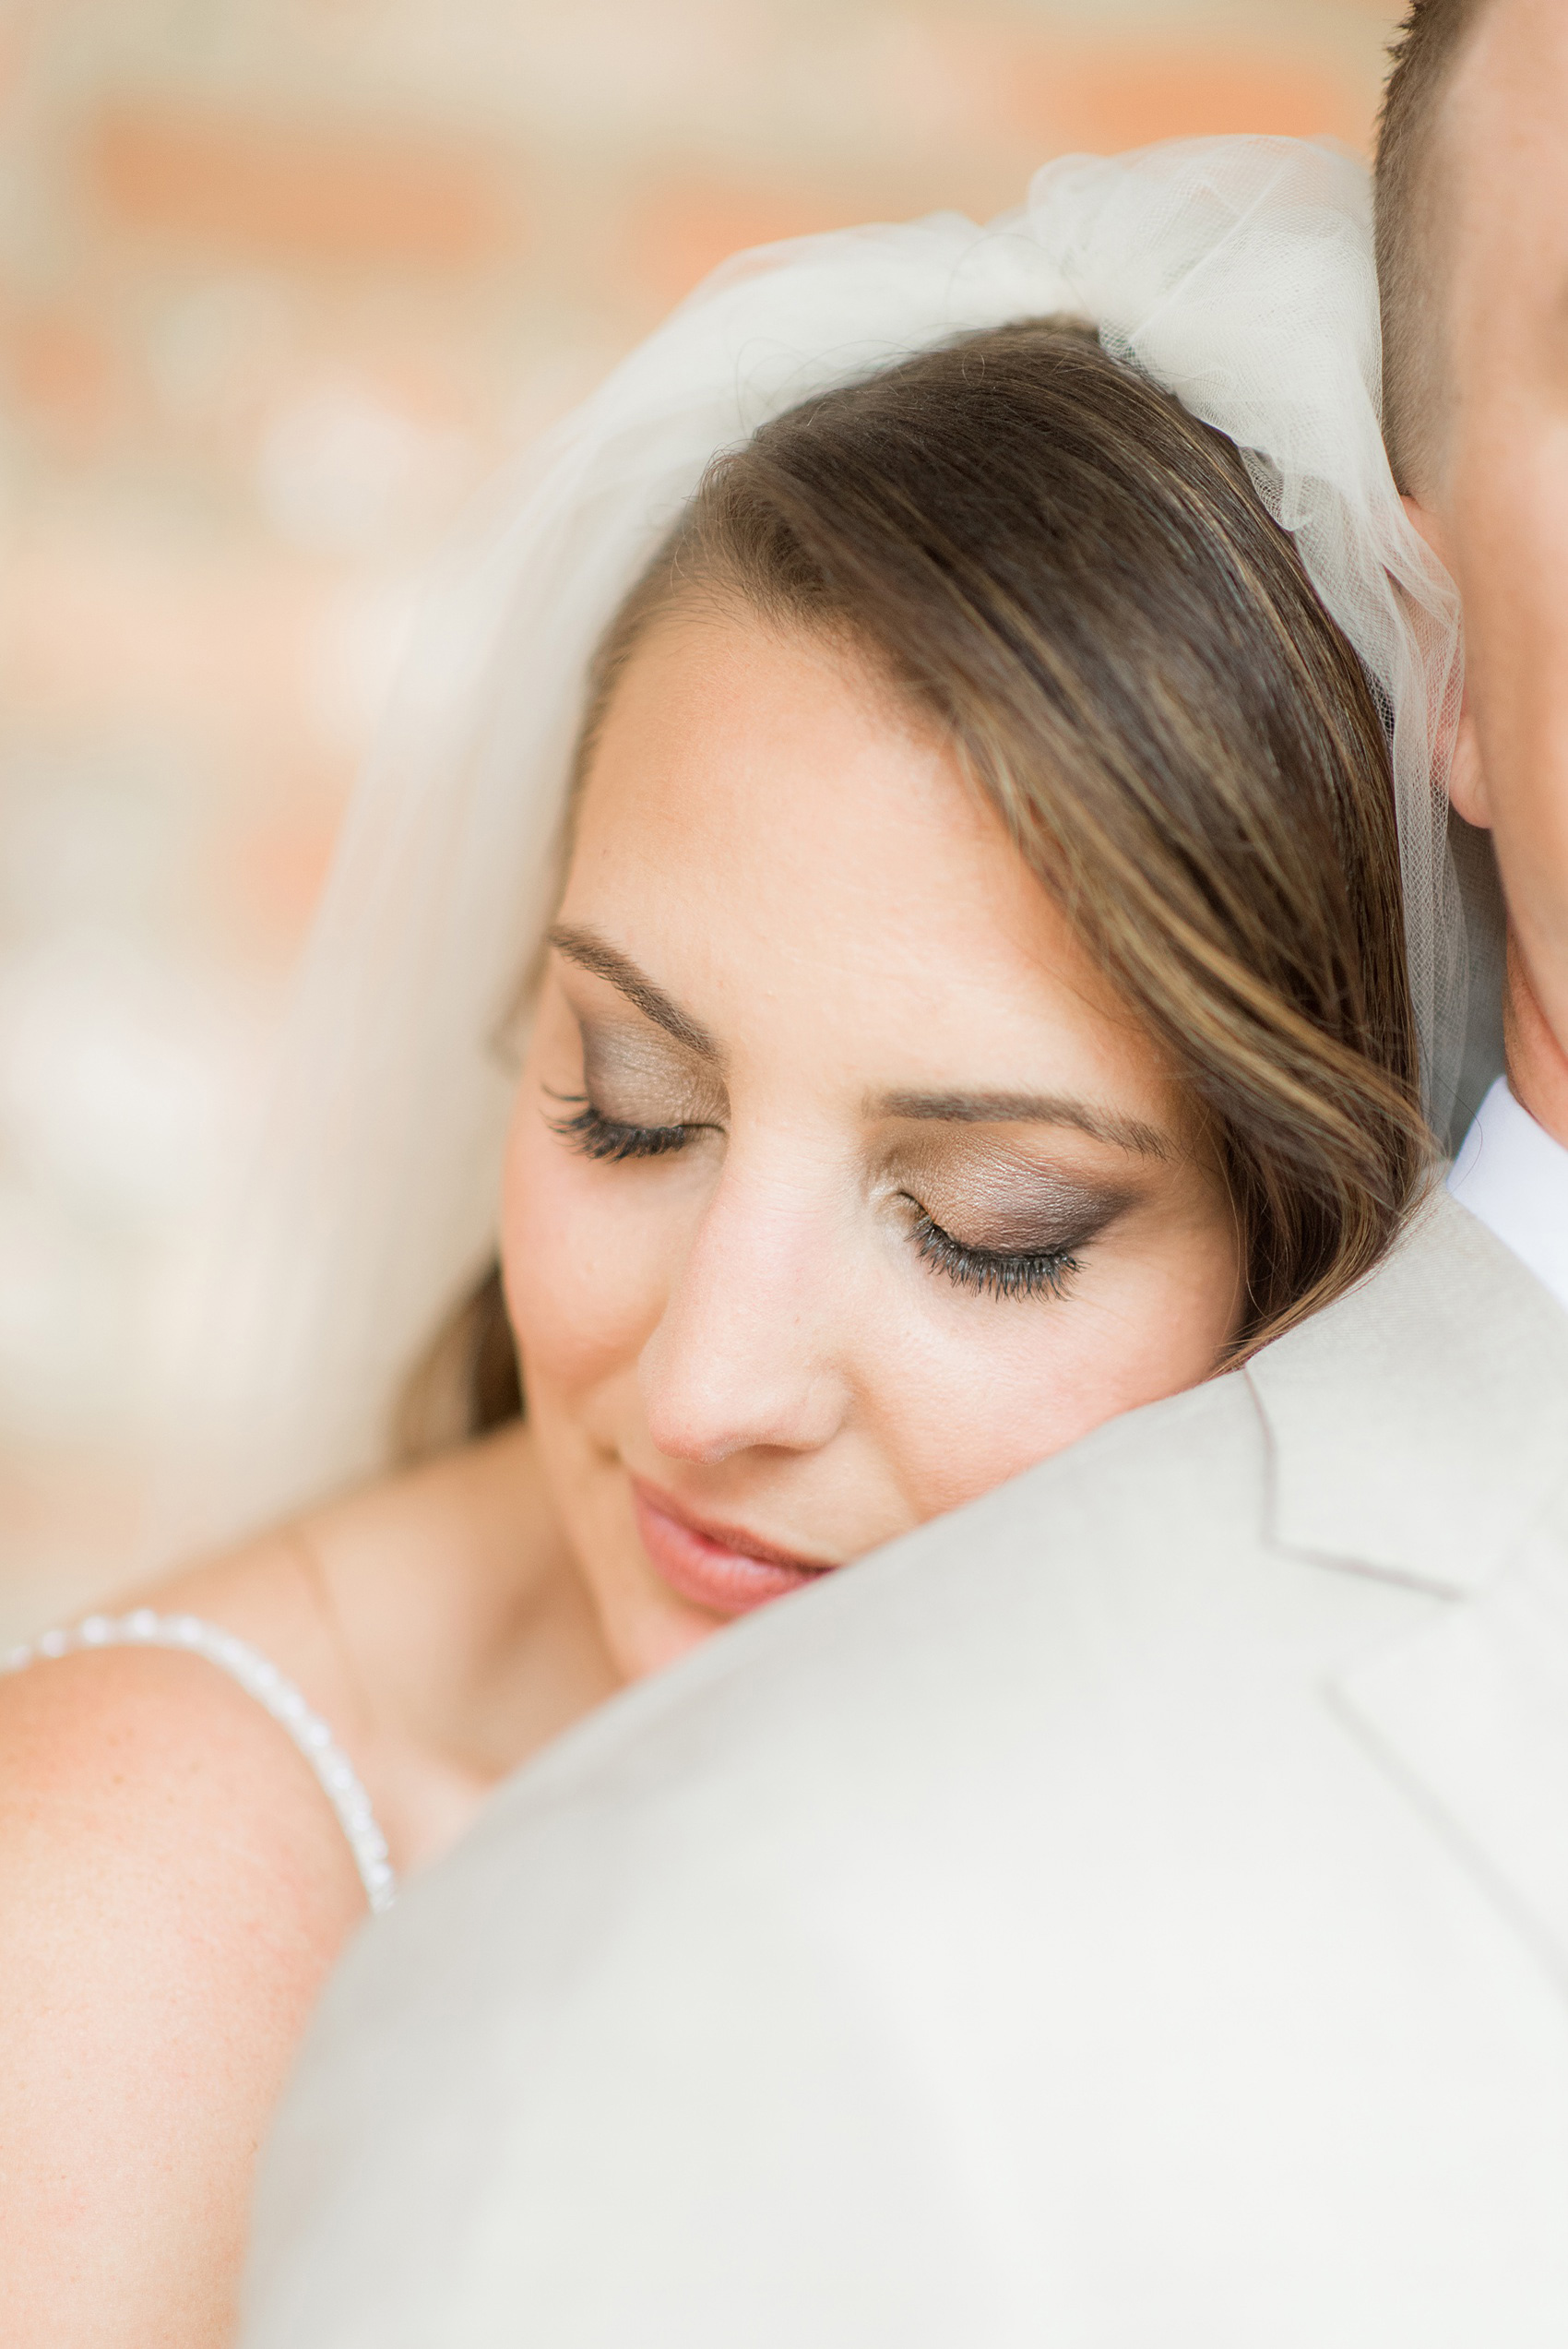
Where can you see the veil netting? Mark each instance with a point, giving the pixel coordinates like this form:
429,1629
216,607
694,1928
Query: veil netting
1237,273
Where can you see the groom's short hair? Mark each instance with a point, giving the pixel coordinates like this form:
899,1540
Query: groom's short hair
1409,259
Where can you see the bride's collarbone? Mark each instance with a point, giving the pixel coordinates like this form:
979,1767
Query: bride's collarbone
431,1620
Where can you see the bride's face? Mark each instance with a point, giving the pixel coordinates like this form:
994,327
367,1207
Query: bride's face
839,1187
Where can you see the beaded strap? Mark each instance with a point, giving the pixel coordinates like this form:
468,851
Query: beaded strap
261,1679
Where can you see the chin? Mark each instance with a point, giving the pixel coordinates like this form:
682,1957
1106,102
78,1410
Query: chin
657,1632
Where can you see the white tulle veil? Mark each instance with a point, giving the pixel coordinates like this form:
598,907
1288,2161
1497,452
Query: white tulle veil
1237,273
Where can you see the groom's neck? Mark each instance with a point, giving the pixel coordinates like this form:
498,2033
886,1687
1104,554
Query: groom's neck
1537,1062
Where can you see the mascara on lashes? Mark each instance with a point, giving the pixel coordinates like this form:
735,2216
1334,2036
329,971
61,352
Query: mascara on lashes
997,1202
643,1096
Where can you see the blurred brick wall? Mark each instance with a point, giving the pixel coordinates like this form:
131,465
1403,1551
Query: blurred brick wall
279,280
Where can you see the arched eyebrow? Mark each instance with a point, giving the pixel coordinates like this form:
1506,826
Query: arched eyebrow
1130,1134
590,952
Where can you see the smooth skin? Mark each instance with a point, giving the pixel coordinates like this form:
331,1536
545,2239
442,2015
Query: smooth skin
1493,501
924,1208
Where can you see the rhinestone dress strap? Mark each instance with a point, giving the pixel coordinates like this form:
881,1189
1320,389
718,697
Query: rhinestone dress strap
260,1678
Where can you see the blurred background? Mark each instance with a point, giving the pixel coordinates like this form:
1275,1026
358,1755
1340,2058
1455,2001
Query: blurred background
280,280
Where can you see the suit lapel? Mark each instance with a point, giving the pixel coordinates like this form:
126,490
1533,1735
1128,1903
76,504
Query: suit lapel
1417,1426
1471,1713
1420,1429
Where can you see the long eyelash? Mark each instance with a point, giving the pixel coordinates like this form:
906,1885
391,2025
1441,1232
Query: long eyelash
993,1272
608,1139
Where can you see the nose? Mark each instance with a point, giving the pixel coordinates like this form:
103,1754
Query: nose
750,1350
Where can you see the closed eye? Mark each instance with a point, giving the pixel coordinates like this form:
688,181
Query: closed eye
999,1272
612,1140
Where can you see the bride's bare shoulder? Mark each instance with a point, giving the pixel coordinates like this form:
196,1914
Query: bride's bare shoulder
141,1774
149,1805
173,1887
107,1754
172,1891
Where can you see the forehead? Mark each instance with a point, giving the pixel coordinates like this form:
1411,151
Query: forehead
767,826
1502,130
772,776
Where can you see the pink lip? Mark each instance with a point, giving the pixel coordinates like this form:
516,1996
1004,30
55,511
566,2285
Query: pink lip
721,1568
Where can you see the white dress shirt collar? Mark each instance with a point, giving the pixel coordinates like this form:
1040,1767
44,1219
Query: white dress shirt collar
1513,1175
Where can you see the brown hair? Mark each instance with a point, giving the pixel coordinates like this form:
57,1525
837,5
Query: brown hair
1407,190
1073,581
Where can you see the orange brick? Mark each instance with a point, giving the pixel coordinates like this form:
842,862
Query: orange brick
279,191
1115,97
271,876
117,634
687,227
62,375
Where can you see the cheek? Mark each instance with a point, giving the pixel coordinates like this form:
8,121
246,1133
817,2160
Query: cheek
1509,529
984,1395
583,1277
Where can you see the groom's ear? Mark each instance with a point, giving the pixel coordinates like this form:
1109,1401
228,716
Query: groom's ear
1466,778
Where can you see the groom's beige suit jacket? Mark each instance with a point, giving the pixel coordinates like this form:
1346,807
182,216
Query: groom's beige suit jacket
1131,1912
